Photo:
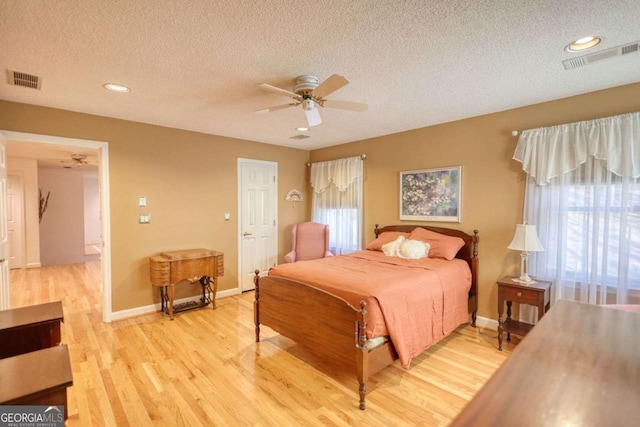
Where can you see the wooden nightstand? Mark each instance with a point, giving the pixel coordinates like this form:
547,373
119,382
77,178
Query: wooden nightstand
537,293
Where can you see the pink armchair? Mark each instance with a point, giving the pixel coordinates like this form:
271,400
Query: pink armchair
310,240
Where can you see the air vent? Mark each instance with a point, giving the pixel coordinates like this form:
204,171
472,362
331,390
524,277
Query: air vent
18,78
629,48
299,136
599,56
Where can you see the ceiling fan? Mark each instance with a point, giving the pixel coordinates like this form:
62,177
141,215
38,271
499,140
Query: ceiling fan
311,94
77,160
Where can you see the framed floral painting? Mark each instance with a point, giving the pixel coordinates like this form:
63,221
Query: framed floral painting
431,194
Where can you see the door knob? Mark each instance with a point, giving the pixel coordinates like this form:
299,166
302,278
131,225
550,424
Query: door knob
246,234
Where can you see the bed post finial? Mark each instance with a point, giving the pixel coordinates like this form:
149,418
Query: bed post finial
376,231
476,239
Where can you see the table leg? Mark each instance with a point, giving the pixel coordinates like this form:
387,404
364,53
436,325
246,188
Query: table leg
172,293
500,329
215,291
509,317
541,310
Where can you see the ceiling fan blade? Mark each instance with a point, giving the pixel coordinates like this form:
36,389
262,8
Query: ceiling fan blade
346,105
277,107
313,117
332,84
282,91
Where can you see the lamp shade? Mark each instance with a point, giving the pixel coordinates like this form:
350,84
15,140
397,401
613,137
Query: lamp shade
526,239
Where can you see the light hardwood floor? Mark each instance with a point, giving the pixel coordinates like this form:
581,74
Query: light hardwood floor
204,368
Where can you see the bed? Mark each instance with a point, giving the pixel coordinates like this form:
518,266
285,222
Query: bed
344,308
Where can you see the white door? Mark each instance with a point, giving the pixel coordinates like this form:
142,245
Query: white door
257,207
5,302
15,220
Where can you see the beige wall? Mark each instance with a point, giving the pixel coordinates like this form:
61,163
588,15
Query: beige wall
62,225
189,180
493,183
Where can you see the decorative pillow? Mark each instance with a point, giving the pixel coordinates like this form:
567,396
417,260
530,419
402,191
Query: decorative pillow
386,237
393,248
442,246
413,249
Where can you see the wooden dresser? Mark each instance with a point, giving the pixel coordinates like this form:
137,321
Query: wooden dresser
580,366
191,265
30,328
37,378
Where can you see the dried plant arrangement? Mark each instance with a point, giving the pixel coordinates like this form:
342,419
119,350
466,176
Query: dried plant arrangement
44,202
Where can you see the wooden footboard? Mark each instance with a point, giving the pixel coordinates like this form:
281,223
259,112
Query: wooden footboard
320,321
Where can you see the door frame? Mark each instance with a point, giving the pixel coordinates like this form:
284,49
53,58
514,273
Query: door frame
239,197
105,207
21,232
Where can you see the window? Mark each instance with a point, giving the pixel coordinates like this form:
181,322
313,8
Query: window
337,202
583,194
591,235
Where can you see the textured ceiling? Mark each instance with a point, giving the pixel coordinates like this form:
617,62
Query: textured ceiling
195,64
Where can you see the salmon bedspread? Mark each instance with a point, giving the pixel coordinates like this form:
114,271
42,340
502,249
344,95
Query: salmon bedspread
415,302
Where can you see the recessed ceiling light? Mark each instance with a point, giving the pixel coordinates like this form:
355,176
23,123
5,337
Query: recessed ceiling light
115,87
583,44
302,129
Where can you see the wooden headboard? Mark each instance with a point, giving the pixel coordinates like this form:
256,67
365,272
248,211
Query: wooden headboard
468,253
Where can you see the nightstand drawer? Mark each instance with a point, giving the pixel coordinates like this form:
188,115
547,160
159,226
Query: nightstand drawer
521,296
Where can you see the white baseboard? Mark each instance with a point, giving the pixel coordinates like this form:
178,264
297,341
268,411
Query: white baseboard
486,323
132,312
33,265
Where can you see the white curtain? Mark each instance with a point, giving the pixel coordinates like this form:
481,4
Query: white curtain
583,194
337,201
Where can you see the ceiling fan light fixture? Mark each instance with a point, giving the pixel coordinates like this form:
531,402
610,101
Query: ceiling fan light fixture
302,129
583,43
308,104
313,117
115,87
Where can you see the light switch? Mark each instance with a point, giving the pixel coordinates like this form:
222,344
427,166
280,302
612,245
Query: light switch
142,201
145,218
227,216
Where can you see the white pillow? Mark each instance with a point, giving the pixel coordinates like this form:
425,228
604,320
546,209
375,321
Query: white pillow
392,248
413,249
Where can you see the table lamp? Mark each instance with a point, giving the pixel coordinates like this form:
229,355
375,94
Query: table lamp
526,240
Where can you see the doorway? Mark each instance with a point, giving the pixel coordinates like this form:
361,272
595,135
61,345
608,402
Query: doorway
257,224
47,142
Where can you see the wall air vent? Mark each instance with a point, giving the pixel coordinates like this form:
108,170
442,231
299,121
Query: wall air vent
299,136
599,56
18,78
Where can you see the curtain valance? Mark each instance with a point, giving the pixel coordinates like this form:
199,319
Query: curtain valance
341,173
546,153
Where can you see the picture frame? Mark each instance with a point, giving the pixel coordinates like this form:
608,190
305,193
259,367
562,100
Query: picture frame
431,194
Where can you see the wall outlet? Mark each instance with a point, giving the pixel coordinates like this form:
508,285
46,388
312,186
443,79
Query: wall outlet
227,216
145,218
